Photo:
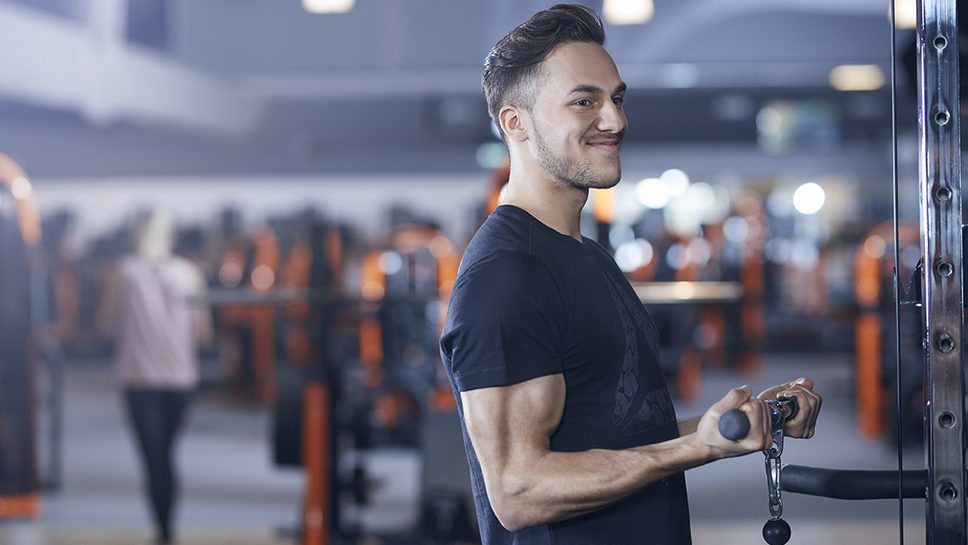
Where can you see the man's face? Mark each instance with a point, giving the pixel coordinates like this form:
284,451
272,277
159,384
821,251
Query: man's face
578,121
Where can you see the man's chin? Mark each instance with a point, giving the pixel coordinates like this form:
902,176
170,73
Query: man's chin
604,185
611,175
593,179
606,182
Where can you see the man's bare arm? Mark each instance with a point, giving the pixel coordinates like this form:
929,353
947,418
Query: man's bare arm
528,484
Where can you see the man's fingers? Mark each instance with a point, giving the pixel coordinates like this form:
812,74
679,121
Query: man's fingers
809,401
758,414
771,393
733,399
818,401
767,425
806,406
814,401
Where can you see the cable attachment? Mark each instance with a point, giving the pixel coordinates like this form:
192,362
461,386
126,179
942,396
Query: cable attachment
776,531
773,470
773,454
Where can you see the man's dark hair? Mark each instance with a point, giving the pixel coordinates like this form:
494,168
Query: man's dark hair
513,64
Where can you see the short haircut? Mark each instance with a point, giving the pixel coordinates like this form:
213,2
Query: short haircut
512,66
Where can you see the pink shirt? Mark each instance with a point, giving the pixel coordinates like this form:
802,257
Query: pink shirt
156,329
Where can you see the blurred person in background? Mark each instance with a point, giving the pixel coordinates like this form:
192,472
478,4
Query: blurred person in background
157,330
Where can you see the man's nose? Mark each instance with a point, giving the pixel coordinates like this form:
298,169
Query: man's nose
612,118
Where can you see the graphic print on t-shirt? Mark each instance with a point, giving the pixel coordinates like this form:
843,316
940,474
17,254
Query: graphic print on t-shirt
637,411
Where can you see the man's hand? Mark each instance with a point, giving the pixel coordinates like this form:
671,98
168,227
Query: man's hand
803,426
707,431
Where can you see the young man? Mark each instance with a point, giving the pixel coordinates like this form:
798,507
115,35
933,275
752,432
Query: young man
569,428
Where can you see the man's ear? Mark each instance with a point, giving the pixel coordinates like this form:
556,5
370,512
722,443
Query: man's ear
513,123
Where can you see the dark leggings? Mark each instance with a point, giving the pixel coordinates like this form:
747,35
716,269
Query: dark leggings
156,415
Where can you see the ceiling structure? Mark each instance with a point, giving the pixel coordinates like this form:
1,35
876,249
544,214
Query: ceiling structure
159,87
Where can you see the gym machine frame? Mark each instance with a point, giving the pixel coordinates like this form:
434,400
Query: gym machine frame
938,288
939,171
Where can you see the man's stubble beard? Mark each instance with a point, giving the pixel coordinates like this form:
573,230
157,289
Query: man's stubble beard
573,173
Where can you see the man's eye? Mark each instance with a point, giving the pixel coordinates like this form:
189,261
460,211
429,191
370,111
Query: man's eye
583,102
619,99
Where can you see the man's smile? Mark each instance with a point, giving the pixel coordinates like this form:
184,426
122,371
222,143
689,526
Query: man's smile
606,144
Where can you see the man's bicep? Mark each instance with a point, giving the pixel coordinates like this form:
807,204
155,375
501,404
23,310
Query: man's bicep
504,324
509,425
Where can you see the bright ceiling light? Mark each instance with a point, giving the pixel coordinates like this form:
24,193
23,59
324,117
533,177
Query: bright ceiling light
652,193
701,197
263,277
857,77
328,6
736,229
634,254
628,12
907,13
440,247
875,246
809,198
676,180
391,263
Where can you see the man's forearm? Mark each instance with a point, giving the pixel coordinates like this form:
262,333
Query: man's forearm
563,485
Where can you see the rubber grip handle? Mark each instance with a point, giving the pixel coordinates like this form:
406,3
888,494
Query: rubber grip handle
848,484
734,424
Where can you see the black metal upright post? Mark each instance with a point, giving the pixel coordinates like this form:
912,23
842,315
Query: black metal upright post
941,245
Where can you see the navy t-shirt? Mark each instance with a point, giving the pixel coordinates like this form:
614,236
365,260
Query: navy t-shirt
531,302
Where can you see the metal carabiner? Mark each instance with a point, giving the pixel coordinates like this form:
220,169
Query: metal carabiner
780,411
773,469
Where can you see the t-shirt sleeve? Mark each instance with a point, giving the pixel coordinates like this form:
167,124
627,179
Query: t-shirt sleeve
504,323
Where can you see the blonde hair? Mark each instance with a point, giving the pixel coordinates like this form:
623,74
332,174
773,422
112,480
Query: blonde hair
153,234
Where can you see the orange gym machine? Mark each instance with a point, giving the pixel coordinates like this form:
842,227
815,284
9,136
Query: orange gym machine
282,313
405,284
417,263
247,330
316,266
873,264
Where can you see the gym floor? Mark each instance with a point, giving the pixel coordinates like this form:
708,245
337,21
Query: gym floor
233,495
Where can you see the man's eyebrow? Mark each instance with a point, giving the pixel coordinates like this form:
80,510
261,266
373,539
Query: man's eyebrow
594,89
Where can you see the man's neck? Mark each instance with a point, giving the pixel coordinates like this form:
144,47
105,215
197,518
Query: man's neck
553,203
